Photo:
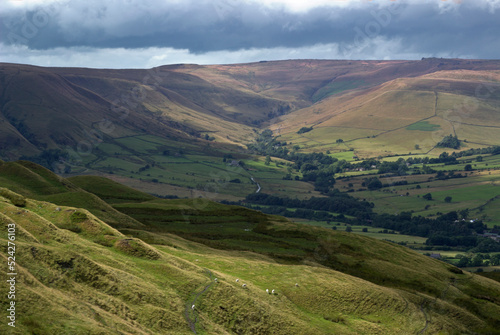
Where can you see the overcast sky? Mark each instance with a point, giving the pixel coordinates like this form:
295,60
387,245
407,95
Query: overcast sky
147,33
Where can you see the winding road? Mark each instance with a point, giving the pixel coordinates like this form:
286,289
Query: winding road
258,185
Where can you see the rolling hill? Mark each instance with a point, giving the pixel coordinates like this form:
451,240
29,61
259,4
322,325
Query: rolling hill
401,116
78,274
76,110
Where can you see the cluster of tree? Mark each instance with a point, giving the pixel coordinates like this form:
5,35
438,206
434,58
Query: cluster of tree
478,260
304,130
449,141
399,167
495,150
145,167
452,225
336,202
208,137
165,196
451,229
441,175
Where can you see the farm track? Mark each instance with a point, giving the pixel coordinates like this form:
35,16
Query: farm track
425,310
189,304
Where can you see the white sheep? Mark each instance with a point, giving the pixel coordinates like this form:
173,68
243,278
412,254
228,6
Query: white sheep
215,279
237,280
244,285
267,290
272,292
192,307
296,284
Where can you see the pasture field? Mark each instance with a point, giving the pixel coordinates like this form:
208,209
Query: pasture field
479,191
423,126
162,167
344,155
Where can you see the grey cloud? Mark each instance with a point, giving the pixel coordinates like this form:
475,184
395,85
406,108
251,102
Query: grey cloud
209,26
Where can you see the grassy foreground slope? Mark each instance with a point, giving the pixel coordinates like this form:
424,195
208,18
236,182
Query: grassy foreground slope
37,182
79,275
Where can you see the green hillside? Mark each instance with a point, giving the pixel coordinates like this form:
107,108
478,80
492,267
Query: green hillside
37,182
401,116
76,274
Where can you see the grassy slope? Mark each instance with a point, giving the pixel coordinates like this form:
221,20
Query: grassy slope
99,281
388,119
37,182
236,231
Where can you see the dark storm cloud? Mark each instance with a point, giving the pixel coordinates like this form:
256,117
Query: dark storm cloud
456,28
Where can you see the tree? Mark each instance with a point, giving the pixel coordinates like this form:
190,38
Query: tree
417,147
464,213
468,167
447,199
268,160
477,260
463,261
348,229
427,196
495,260
373,183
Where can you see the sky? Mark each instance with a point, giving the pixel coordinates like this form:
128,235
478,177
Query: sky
148,33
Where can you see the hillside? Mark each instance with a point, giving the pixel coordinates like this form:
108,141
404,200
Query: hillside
37,182
81,275
401,116
77,110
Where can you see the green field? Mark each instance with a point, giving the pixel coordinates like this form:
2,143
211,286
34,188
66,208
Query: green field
423,126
